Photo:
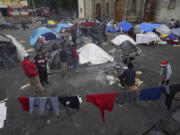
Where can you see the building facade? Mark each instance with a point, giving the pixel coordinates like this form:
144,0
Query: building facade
131,10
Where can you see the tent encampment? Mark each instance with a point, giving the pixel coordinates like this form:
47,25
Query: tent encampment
61,26
121,38
148,27
93,54
125,26
110,29
8,53
39,32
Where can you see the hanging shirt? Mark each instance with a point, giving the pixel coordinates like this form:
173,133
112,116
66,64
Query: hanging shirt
72,102
126,97
150,94
25,103
103,101
3,113
49,103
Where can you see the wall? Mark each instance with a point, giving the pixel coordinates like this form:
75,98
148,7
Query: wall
88,9
163,13
81,6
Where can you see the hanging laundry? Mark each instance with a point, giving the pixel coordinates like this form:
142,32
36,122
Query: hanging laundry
3,113
103,101
126,97
49,103
73,102
150,94
25,103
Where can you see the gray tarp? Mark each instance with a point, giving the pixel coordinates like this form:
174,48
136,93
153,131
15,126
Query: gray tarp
176,32
8,53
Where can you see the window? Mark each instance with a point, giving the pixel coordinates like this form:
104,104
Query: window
107,9
172,4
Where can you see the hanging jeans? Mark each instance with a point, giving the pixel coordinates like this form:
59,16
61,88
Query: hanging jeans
44,103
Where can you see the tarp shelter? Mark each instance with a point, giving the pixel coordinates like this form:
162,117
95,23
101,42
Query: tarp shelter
163,29
93,54
170,37
39,32
20,48
51,23
61,26
49,36
54,61
122,38
8,53
125,26
146,38
148,27
176,32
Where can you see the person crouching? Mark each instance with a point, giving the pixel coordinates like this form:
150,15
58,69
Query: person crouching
127,79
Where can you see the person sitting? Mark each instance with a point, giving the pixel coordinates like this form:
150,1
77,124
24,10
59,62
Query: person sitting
127,79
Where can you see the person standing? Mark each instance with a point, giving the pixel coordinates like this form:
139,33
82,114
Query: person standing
75,56
41,62
30,70
63,57
165,76
127,79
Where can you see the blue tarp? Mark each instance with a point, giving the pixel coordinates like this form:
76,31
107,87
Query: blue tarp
148,27
109,27
170,37
37,33
125,25
176,32
61,26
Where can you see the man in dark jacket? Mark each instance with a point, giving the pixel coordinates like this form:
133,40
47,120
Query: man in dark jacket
30,70
128,78
63,57
41,61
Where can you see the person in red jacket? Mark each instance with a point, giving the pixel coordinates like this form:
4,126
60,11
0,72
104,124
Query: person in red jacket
75,56
30,70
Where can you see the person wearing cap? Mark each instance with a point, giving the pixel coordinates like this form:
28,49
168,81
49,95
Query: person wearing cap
127,79
30,70
165,76
41,62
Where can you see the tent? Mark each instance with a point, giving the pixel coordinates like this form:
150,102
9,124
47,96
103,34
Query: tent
110,29
121,38
39,32
61,26
163,29
170,37
148,27
176,32
93,54
146,38
125,26
51,23
8,53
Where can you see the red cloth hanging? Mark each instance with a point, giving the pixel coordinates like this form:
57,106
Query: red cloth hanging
103,101
25,103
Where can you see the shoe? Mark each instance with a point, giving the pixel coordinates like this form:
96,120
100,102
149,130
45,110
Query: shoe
65,76
34,94
47,82
76,71
43,92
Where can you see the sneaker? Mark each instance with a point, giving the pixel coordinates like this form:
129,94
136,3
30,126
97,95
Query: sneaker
65,76
34,94
76,71
47,82
43,92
